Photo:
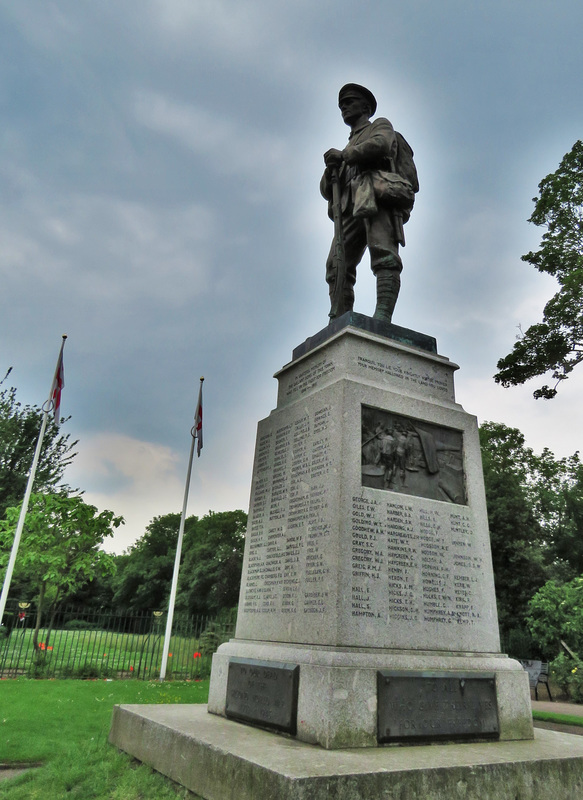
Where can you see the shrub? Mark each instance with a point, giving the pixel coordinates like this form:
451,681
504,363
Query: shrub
518,643
555,613
41,667
80,625
567,673
87,671
218,631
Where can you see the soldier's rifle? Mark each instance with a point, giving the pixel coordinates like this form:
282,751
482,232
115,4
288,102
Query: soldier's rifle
338,257
396,214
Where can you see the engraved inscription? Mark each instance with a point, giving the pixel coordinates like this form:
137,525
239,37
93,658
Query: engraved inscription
263,693
412,457
403,541
309,378
413,564
406,375
289,531
436,706
367,558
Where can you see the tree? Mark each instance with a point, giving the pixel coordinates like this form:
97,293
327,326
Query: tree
556,494
19,430
145,570
213,560
515,533
556,343
535,514
210,572
97,594
59,551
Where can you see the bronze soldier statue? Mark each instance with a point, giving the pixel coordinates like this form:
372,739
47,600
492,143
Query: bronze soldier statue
370,187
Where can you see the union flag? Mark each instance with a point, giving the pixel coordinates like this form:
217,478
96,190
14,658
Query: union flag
197,429
58,386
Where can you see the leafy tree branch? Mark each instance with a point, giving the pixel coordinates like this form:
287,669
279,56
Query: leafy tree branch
19,429
554,345
60,547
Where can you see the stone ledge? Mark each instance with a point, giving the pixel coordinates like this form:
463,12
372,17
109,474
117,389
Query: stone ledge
224,760
337,703
368,657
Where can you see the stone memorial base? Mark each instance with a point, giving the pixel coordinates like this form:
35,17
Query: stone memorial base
223,760
366,661
338,704
367,558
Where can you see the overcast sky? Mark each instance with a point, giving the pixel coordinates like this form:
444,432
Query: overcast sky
160,205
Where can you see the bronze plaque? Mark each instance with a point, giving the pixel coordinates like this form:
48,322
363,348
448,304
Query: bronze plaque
436,705
411,456
263,693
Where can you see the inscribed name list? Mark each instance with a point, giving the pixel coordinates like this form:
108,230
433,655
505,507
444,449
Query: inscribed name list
371,568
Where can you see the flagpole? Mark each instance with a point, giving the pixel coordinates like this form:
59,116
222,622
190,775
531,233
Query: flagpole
47,407
196,434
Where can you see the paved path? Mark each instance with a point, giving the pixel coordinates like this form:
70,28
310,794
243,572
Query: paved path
557,708
7,772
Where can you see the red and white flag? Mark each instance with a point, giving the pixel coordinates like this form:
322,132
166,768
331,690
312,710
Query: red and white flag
57,387
198,421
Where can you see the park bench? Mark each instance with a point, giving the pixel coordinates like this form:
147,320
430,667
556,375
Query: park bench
538,672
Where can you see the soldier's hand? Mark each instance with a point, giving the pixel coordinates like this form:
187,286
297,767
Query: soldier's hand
349,155
333,157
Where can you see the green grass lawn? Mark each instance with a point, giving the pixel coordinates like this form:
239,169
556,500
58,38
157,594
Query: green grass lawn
97,653
560,719
65,725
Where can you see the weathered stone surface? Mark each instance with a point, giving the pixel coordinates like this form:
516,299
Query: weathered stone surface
344,578
223,760
330,561
337,704
368,357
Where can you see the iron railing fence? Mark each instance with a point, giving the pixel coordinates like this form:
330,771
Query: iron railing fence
84,643
518,643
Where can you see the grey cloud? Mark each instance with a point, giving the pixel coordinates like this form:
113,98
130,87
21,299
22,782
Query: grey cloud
232,148
159,202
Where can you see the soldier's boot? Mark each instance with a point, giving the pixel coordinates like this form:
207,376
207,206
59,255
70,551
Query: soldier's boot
388,285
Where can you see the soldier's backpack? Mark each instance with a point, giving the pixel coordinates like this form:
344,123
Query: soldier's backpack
395,188
404,163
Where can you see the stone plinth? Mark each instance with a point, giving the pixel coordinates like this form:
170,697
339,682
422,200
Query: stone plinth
223,760
367,546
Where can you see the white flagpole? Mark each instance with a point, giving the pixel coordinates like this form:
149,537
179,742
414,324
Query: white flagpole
47,408
195,433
